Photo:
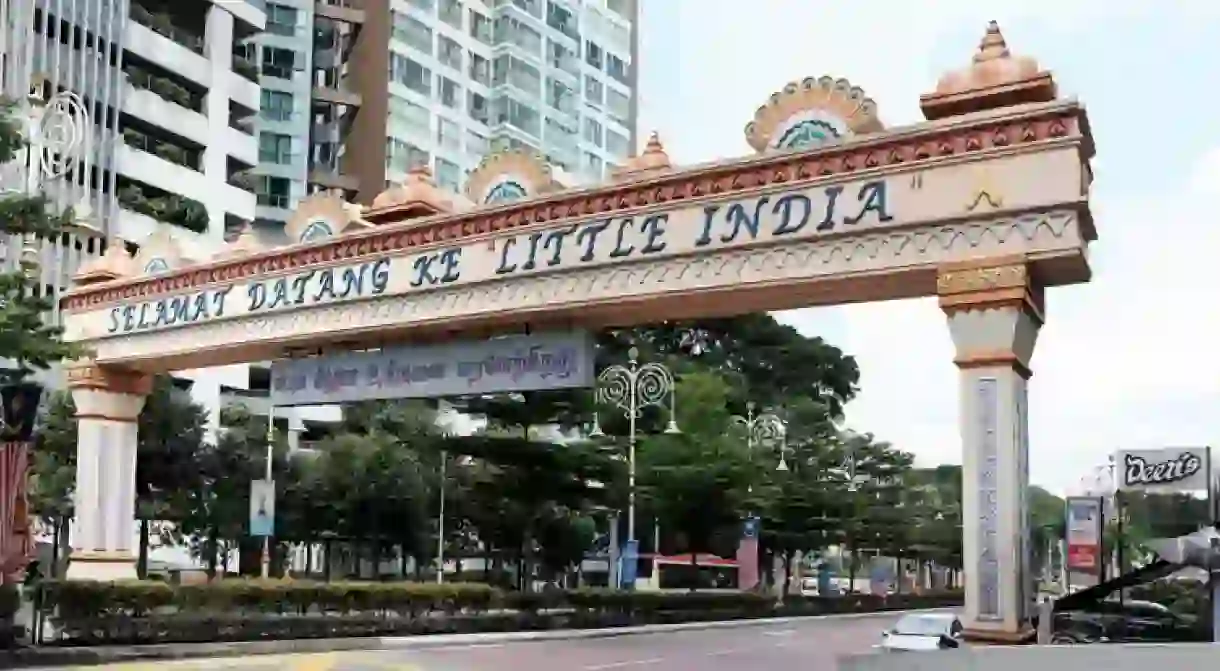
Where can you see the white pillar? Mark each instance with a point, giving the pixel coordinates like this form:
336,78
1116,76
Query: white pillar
108,404
994,316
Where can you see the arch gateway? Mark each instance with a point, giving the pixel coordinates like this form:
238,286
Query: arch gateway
985,205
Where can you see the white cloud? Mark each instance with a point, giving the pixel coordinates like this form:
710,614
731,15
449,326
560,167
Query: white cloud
1125,361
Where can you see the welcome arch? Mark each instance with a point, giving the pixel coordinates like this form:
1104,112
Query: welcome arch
985,205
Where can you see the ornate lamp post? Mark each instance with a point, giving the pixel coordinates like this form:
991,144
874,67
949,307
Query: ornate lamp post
764,429
631,389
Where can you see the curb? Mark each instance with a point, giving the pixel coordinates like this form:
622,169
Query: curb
84,656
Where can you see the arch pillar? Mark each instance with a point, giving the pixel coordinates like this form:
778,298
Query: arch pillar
995,310
108,403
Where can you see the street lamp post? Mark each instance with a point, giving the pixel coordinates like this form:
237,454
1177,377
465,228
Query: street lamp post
631,389
440,524
763,429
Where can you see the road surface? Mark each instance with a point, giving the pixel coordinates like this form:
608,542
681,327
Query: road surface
812,645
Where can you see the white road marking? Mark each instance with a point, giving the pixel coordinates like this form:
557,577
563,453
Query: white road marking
619,665
781,632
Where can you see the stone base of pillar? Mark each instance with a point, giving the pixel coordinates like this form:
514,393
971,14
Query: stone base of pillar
101,566
980,636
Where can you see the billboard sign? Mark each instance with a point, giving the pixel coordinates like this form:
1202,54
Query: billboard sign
1085,518
544,361
1172,469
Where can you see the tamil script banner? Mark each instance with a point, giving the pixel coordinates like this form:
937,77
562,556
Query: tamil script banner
557,360
1171,469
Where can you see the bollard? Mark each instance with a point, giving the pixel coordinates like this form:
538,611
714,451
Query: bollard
1046,617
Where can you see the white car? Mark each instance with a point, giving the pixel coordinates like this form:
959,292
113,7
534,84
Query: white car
921,632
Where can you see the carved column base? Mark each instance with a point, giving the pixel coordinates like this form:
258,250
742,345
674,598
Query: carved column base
976,636
102,566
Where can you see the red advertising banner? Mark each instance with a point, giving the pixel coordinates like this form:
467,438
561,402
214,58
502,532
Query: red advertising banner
1085,518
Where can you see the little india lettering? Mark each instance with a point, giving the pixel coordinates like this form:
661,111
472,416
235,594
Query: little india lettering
807,212
314,286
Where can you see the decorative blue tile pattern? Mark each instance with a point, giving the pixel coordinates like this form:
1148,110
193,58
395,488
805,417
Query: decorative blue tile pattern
988,463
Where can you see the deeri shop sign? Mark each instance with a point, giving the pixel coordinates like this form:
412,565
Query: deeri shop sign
1175,469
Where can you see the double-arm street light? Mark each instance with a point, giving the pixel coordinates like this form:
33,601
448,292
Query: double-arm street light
763,430
631,389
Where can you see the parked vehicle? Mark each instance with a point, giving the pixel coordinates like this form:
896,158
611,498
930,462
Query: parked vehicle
923,632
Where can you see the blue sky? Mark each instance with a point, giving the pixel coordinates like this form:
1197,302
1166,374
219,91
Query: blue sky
1129,361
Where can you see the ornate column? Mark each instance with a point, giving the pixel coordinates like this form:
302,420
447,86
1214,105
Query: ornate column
108,404
995,312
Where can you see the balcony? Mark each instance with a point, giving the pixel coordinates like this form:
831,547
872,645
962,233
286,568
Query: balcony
165,52
168,112
344,11
245,67
167,207
165,150
163,24
336,96
241,145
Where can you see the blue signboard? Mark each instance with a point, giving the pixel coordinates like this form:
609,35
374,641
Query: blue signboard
262,508
629,564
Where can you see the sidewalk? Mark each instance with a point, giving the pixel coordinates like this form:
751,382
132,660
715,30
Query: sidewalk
55,656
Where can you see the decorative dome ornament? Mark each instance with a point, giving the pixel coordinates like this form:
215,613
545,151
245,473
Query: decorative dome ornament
810,113
319,217
652,161
160,253
246,244
995,79
508,176
419,193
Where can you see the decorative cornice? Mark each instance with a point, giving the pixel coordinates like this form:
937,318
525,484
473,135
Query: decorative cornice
925,143
88,375
807,261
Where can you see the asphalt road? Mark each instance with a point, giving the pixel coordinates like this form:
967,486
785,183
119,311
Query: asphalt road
811,645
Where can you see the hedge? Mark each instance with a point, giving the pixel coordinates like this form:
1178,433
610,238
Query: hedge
134,612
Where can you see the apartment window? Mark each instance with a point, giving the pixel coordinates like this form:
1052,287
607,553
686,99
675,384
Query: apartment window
411,32
451,12
449,52
276,105
410,74
476,144
617,68
561,18
594,55
532,7
594,165
281,19
509,70
279,62
450,92
448,134
593,131
272,191
448,175
426,5
560,96
476,107
619,106
616,144
480,69
620,7
509,30
562,57
480,27
275,148
518,114
595,90
413,118
401,156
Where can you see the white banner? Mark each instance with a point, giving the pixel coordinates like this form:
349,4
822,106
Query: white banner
262,507
1170,469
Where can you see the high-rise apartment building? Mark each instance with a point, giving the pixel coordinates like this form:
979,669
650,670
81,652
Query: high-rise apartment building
170,108
354,102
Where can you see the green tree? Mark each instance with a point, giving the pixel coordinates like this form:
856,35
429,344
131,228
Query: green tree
27,341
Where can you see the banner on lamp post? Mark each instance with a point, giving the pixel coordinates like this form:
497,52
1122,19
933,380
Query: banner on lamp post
1084,521
262,508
